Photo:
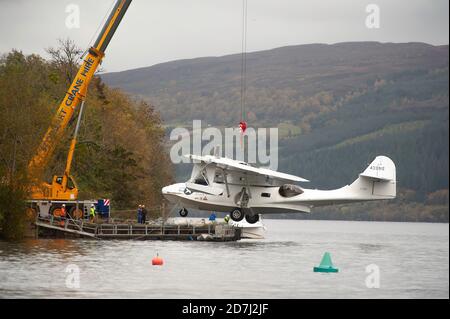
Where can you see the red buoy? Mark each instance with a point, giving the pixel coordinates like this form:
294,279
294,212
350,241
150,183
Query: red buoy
157,261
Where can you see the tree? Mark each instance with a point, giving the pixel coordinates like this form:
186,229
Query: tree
120,154
65,58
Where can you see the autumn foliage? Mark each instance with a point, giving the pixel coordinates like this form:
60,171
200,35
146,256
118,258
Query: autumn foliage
120,154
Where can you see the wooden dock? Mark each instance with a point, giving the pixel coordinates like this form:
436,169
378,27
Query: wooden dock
70,228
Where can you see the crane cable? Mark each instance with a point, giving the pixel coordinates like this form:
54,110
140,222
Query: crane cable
97,31
242,123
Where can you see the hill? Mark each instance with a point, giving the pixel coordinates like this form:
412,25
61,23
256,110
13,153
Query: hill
337,107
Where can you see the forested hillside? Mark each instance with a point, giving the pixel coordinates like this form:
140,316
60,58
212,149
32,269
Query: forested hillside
119,154
337,107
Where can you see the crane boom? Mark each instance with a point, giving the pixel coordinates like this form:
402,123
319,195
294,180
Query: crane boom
75,94
77,89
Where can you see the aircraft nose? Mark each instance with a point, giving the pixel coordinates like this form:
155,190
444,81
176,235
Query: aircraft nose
173,189
165,190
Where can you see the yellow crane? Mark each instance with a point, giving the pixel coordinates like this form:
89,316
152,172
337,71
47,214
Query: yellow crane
63,189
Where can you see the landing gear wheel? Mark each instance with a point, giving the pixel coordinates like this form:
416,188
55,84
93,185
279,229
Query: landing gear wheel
183,212
56,211
251,219
237,215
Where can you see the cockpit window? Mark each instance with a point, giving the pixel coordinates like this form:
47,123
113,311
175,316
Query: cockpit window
289,190
200,180
218,177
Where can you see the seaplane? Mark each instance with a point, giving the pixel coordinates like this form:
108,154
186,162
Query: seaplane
226,185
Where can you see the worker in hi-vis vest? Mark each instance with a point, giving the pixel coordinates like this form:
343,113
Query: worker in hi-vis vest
92,213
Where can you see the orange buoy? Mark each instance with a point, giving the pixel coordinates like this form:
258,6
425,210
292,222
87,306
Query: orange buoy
157,261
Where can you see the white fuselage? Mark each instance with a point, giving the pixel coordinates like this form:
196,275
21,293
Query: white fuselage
215,189
263,199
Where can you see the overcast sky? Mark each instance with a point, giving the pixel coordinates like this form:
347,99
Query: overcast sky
155,31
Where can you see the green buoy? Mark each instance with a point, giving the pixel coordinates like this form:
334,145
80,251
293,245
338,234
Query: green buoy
326,265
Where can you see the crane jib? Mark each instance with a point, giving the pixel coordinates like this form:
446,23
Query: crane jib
87,66
73,92
77,85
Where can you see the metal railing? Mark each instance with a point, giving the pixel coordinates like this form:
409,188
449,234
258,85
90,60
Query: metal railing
118,230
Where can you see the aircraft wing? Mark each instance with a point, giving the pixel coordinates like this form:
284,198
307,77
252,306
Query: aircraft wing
230,164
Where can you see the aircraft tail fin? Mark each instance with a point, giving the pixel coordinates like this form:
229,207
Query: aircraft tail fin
378,181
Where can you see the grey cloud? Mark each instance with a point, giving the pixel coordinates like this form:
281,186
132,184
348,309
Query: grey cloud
159,31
